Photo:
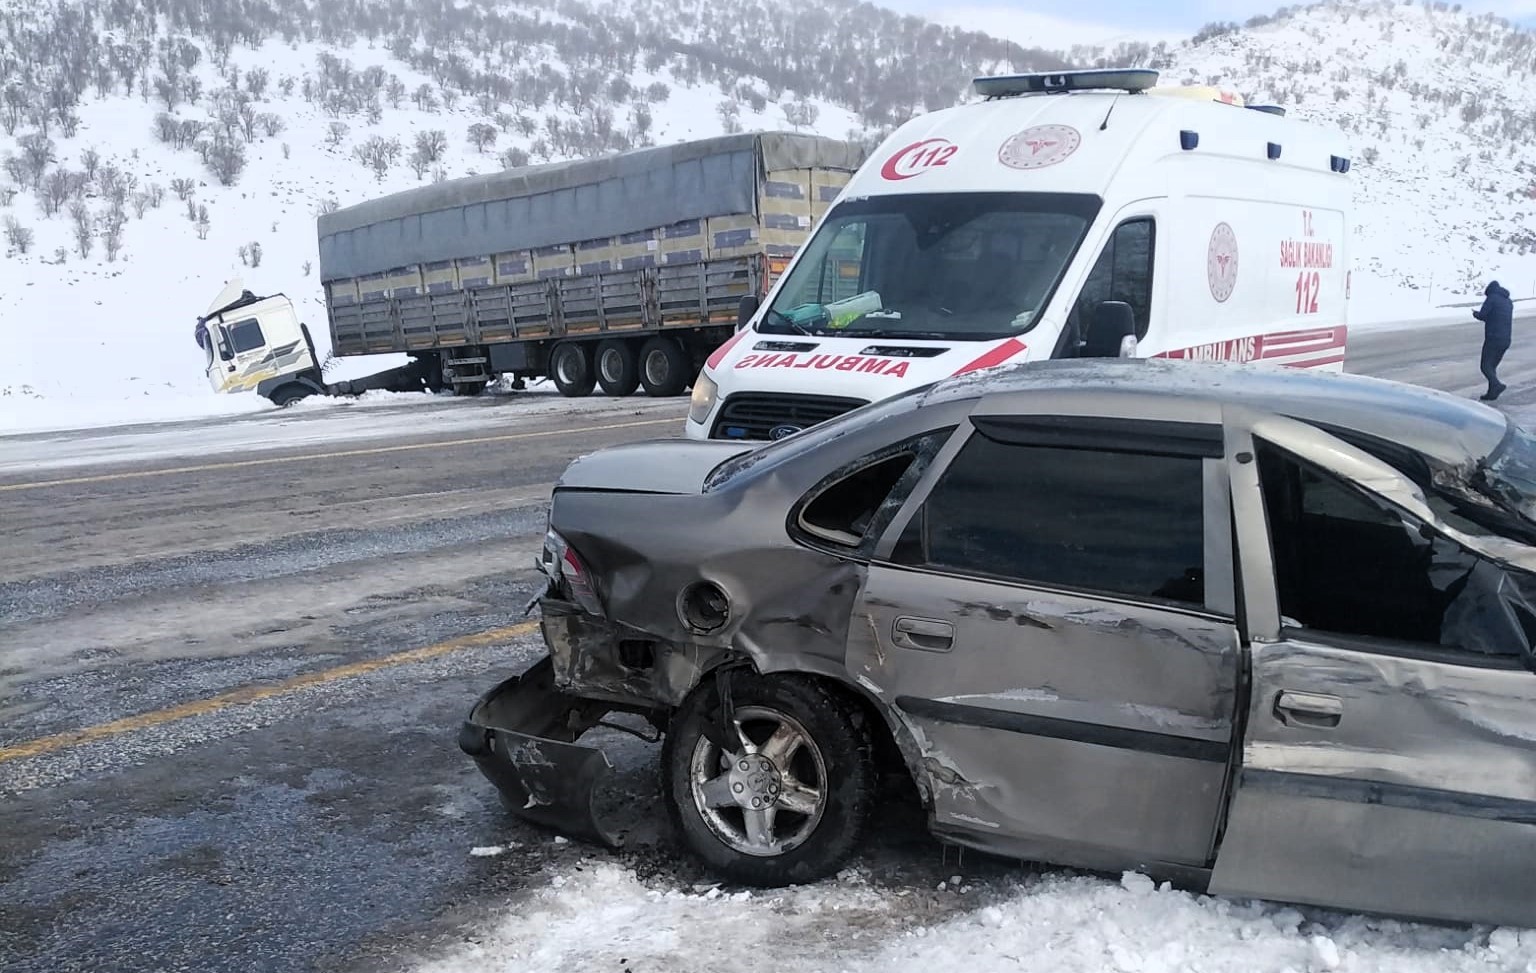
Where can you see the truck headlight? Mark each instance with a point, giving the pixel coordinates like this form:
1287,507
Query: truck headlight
704,392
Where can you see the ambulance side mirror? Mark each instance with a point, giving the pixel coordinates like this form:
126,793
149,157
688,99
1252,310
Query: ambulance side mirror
745,310
1112,333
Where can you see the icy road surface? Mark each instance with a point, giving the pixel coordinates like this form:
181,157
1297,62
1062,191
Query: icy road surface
230,684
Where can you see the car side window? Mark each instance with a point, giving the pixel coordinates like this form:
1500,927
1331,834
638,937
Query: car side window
1349,563
1123,272
850,507
1107,520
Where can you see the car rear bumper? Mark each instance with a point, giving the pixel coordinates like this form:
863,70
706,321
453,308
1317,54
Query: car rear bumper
522,736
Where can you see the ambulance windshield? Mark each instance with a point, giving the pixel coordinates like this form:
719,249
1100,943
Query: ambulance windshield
948,266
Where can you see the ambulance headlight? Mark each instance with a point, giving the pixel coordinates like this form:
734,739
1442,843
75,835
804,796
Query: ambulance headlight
704,392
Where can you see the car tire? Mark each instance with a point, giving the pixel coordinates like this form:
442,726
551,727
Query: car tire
821,787
570,365
664,367
618,368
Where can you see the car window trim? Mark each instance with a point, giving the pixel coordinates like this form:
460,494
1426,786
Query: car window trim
1203,612
1401,649
1147,437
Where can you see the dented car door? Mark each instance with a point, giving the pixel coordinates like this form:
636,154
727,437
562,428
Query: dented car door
1050,620
1389,758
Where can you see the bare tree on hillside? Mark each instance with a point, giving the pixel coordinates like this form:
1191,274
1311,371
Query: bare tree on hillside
58,186
432,143
112,225
730,116
84,228
226,160
17,237
482,136
37,153
256,81
271,125
336,132
801,114
248,117
183,188
168,91
14,105
203,223
377,154
90,159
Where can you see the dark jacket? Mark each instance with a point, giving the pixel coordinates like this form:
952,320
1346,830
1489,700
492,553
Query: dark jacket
1497,314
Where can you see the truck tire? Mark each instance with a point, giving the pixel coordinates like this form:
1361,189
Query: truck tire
286,395
664,367
618,367
570,365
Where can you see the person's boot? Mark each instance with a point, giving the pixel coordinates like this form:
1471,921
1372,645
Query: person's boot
1494,391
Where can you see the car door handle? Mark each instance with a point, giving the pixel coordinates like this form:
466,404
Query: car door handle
1308,709
923,634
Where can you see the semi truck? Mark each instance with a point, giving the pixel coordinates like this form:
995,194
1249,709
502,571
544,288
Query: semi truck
620,272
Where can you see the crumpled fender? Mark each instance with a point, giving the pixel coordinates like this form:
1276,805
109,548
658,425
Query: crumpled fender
522,733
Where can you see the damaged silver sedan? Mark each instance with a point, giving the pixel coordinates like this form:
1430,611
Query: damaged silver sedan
1257,631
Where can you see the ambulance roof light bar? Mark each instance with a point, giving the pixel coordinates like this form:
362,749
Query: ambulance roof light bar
1132,80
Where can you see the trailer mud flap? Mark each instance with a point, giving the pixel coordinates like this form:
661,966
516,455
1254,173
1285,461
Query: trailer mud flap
522,736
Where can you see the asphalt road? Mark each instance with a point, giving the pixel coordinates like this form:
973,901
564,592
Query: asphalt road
230,682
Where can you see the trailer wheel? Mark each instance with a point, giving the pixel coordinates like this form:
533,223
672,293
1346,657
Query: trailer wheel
570,365
618,367
664,367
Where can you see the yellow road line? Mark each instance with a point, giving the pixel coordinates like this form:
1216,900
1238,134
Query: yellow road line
371,451
252,694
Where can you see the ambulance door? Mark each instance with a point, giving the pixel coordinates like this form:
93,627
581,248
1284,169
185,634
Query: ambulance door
1125,269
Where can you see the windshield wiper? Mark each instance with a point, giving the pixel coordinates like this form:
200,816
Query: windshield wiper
887,333
772,316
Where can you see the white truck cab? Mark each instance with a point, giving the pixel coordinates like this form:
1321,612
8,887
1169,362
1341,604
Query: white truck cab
255,343
1088,213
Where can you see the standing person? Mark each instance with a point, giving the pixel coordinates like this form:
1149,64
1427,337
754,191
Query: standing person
1497,315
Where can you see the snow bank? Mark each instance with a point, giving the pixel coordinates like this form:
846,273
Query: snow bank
601,917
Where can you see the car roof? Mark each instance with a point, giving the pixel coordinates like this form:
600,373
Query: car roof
1446,427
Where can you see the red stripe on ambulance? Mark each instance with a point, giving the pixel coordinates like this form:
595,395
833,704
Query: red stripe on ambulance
995,356
1316,346
719,354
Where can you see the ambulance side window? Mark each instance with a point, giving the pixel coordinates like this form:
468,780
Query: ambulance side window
1123,273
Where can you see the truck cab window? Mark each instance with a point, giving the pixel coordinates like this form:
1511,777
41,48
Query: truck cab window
1123,272
1349,563
245,336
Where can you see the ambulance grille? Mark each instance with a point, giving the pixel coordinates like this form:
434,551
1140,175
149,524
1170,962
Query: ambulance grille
756,415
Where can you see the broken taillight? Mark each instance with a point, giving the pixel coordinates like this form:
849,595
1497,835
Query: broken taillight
566,568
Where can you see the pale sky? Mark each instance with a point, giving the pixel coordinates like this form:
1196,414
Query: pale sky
1059,24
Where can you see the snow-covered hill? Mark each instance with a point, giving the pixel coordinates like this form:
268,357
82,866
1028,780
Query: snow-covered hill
121,123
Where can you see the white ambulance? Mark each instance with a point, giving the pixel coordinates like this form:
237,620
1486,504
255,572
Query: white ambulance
1085,213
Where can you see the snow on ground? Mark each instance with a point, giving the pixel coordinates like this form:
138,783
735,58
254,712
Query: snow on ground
395,417
88,342
599,916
